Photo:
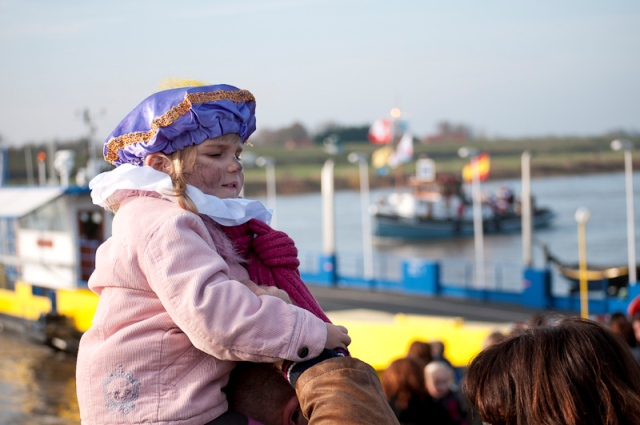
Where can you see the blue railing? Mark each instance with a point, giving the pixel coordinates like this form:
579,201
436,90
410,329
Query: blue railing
503,283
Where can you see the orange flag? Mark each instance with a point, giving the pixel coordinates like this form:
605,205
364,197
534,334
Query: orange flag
482,162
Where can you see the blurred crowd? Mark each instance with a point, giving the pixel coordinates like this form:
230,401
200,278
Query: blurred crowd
551,369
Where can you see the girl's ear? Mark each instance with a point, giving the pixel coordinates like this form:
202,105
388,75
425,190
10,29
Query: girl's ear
155,161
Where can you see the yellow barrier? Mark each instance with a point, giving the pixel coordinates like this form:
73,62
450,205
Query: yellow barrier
379,338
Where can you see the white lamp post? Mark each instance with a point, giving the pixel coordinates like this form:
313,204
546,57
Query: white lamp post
328,212
583,215
269,166
367,248
525,199
478,235
626,146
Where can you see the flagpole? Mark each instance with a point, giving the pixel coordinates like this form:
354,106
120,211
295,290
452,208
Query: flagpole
395,115
478,235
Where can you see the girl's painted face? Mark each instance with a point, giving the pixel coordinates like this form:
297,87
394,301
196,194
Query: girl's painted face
218,170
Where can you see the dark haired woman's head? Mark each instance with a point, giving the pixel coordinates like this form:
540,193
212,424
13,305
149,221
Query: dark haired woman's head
420,350
403,380
570,371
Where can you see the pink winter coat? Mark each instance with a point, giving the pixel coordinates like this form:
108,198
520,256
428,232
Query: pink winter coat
173,319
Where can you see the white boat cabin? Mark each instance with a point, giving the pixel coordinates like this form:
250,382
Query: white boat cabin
49,236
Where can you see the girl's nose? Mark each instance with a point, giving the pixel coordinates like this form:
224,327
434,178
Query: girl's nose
235,165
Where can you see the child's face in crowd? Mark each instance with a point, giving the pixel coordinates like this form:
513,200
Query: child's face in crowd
438,384
218,170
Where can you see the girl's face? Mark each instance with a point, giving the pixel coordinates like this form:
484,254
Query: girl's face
217,170
438,384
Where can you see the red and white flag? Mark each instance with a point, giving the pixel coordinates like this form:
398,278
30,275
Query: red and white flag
381,132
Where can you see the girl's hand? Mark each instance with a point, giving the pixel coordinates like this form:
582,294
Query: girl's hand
266,290
276,292
337,336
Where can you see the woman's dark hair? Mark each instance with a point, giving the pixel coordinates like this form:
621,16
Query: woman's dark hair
403,380
572,372
420,350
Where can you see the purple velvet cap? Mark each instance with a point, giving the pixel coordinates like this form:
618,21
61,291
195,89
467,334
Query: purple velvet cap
171,120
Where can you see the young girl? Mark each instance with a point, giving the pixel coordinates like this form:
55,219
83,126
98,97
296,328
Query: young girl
178,303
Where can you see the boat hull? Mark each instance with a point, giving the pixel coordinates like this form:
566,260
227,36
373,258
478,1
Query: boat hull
393,226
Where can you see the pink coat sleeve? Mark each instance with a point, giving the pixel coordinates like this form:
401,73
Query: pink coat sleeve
221,316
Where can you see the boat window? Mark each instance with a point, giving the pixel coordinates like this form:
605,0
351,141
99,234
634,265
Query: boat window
49,217
90,225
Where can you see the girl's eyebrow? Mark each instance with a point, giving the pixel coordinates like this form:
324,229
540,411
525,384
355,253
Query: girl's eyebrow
216,146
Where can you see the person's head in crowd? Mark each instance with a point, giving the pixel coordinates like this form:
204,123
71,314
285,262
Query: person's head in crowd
260,391
439,379
492,338
402,381
437,349
571,371
420,350
635,324
620,325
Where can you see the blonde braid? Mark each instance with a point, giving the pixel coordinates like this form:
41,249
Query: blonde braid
176,165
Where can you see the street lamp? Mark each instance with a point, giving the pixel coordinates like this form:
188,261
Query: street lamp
328,260
626,146
525,199
367,247
478,236
583,215
269,166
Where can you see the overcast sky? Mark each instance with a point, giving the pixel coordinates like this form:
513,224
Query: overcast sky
506,68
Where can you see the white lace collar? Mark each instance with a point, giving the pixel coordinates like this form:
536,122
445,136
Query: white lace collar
227,212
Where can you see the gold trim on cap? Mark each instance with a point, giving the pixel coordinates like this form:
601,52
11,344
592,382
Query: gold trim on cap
114,145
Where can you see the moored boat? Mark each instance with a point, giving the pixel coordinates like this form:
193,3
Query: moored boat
610,278
49,237
438,208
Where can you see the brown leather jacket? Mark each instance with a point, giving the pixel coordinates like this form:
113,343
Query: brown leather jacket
343,390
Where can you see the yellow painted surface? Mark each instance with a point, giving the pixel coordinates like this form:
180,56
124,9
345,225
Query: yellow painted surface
22,304
379,338
79,305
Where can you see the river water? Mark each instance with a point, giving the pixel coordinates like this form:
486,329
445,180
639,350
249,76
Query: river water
37,386
606,231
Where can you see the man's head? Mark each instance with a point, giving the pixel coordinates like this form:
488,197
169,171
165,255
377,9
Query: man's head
259,391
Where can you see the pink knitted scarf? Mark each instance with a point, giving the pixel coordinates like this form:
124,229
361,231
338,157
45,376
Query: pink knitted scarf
272,259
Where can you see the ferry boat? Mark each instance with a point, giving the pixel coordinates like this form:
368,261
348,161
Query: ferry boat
437,208
49,236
